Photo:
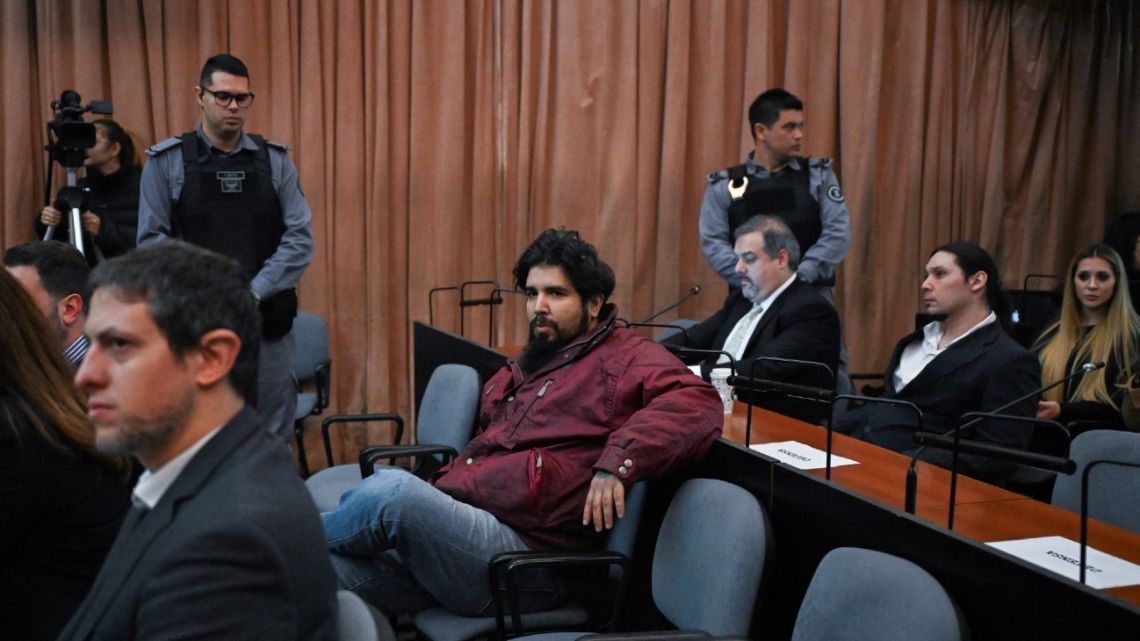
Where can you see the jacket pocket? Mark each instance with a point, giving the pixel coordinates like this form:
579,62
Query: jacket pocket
534,478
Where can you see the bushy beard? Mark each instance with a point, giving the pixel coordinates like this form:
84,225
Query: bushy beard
540,349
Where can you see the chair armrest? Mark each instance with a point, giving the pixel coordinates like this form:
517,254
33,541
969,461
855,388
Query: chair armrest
322,385
653,635
329,421
369,455
504,567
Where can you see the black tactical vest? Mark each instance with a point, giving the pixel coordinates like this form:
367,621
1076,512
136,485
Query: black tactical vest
228,205
786,195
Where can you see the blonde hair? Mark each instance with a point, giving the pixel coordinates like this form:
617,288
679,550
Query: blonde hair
1111,340
35,381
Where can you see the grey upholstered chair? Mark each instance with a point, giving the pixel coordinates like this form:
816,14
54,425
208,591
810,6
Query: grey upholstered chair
440,624
864,595
357,621
311,363
445,422
707,566
1113,490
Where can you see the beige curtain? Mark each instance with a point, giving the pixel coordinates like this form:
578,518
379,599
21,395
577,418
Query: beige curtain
436,138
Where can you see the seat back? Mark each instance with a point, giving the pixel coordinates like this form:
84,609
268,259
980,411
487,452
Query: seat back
357,621
449,406
709,558
1113,490
864,595
311,335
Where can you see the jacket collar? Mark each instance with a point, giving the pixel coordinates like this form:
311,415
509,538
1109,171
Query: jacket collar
143,527
957,355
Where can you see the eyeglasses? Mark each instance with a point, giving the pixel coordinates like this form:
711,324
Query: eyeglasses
224,98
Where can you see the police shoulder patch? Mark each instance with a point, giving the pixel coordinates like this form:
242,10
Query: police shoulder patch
159,147
717,176
835,193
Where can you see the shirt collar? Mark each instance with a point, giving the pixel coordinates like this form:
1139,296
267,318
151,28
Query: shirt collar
245,142
758,169
77,350
152,485
934,330
767,302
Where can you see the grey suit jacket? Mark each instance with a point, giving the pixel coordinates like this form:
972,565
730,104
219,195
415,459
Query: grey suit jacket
233,550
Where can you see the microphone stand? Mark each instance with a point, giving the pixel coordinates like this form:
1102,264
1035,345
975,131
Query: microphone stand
785,388
472,302
911,475
1023,457
693,291
1085,505
684,334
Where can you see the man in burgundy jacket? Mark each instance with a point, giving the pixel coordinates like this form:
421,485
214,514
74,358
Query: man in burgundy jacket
587,409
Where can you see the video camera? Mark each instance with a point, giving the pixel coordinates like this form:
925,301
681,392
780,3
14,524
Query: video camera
69,139
70,136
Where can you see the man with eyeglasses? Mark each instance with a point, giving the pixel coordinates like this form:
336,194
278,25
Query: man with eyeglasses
238,194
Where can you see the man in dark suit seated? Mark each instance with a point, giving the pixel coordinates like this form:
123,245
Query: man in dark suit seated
962,362
223,541
587,409
774,316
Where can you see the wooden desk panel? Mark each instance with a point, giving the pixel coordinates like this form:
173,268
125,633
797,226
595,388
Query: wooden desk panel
881,473
984,512
1025,518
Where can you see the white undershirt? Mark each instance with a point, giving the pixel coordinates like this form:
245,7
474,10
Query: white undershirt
917,355
750,326
152,485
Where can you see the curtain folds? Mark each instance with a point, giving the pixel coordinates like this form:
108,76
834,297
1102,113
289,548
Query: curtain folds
436,138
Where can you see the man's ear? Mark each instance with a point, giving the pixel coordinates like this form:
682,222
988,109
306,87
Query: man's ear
978,281
594,307
199,95
217,350
70,309
759,132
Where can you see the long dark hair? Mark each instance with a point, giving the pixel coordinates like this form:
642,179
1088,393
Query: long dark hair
35,380
973,259
128,156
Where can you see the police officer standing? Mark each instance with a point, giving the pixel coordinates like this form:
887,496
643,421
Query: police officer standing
776,180
237,194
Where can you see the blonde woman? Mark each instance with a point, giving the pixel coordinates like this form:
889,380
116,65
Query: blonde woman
1097,324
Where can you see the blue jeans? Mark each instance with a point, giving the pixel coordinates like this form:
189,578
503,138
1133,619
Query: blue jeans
404,546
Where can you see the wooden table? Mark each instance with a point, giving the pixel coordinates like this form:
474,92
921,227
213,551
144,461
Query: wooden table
881,473
984,512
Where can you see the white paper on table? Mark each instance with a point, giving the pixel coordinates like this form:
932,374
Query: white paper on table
1063,556
800,456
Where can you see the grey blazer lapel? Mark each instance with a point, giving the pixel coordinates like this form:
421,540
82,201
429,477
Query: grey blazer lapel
142,527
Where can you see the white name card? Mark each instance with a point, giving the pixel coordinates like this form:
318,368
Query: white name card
798,455
1062,556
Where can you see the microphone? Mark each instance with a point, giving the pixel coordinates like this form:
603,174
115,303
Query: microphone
672,348
791,389
1000,452
911,474
693,291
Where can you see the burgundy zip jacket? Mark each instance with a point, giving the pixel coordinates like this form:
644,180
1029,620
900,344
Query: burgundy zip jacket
612,400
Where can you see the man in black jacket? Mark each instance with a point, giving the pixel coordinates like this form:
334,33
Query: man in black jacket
776,318
962,362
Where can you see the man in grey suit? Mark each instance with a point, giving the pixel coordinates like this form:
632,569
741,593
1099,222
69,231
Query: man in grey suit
223,541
